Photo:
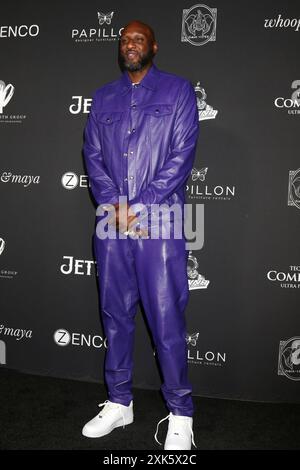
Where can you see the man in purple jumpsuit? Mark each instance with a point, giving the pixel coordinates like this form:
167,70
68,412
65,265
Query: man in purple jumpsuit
140,144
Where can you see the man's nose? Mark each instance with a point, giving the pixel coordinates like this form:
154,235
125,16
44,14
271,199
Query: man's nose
130,43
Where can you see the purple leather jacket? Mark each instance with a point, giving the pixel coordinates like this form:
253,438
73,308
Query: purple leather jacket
140,139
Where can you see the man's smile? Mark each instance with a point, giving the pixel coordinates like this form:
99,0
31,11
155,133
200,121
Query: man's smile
131,54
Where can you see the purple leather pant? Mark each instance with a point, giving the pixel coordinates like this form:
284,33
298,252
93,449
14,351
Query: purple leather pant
155,272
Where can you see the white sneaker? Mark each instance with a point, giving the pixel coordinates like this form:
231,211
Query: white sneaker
112,416
180,434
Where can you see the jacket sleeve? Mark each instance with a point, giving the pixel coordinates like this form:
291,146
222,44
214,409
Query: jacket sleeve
103,188
179,162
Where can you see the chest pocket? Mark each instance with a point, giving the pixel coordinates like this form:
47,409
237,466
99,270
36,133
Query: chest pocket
158,110
109,117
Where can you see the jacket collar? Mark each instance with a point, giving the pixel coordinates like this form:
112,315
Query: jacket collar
148,81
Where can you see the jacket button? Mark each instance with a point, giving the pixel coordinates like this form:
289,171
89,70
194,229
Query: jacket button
133,130
125,179
157,110
125,154
131,177
108,119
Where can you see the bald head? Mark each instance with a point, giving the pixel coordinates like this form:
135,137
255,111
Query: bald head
139,26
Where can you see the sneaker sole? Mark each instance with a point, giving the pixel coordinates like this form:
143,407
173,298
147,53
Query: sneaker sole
109,431
176,448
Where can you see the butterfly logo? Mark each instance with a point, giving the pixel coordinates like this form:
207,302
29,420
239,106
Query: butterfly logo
105,17
192,339
199,174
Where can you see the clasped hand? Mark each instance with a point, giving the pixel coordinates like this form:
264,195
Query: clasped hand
124,222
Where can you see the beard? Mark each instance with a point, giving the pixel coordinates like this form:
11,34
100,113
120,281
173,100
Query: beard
134,66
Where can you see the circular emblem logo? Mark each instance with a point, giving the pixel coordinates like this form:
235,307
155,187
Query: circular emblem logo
289,358
69,180
199,24
294,188
62,337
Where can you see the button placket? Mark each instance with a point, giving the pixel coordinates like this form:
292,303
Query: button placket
131,138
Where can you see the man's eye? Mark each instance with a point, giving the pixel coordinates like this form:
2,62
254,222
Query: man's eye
125,41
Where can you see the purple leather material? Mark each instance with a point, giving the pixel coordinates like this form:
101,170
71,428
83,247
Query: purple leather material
155,272
140,141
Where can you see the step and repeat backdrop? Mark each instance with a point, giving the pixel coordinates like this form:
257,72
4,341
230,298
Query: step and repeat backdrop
243,314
